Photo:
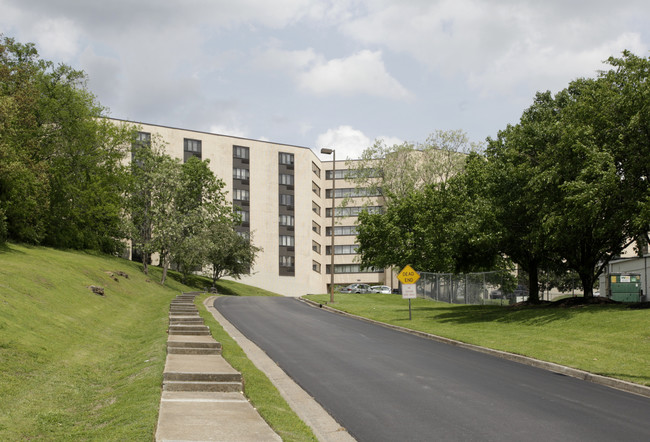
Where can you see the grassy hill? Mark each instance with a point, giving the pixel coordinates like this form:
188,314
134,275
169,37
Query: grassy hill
74,364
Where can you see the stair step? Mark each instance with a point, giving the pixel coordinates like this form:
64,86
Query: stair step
190,333
193,351
193,344
203,386
202,377
189,327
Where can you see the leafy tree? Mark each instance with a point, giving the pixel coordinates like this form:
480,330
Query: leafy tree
61,173
229,253
171,205
420,206
200,202
154,178
440,228
580,163
24,186
399,169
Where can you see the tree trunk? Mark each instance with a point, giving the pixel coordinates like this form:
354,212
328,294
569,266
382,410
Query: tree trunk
587,284
145,265
533,282
165,265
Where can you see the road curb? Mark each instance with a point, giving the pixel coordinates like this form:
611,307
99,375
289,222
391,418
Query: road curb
618,384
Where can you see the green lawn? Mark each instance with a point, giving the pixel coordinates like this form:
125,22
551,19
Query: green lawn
610,340
75,365
78,366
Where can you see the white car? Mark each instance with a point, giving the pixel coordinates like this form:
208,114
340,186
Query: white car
356,288
380,289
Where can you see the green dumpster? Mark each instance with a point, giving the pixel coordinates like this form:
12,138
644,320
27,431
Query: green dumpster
625,288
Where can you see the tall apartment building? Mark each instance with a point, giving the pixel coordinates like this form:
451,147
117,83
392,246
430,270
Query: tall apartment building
284,195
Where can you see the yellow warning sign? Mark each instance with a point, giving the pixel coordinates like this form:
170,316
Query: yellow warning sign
408,275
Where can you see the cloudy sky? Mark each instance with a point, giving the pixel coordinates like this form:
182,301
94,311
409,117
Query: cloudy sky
328,73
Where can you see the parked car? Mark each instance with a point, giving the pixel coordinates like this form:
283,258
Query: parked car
356,288
380,289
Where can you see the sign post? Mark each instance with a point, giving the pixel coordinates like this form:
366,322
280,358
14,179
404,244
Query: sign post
408,277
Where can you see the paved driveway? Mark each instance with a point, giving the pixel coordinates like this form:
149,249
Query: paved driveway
384,385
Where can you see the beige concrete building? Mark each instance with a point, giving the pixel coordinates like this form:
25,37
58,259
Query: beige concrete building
284,194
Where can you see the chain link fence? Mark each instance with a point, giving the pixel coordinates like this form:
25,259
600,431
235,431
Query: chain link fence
498,288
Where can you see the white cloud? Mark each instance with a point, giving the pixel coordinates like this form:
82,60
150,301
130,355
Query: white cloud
497,46
348,142
361,73
57,38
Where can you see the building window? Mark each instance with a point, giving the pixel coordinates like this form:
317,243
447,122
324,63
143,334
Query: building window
286,179
286,220
240,195
347,249
315,227
287,261
191,148
352,211
352,193
315,188
286,240
240,174
315,247
315,208
142,139
315,169
351,268
286,200
286,158
240,152
245,215
315,266
341,231
343,174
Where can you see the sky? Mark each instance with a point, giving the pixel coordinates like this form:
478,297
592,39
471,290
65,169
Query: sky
328,73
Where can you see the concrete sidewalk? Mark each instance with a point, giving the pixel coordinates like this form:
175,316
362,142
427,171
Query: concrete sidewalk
202,398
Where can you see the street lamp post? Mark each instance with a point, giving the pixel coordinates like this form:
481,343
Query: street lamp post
333,153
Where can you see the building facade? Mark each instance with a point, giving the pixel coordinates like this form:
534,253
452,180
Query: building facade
284,195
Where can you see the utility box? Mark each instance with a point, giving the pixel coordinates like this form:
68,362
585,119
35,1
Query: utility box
625,288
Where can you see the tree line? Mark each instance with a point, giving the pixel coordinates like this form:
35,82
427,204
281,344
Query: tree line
65,180
564,191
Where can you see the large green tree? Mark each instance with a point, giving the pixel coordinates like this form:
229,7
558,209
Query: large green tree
574,172
200,202
61,174
442,227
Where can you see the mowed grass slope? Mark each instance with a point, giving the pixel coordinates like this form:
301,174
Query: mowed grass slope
75,365
610,340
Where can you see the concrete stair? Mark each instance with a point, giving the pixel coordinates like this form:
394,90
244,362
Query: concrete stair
194,362
185,320
193,345
191,329
210,373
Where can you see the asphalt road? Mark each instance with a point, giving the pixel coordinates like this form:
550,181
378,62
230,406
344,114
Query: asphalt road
385,385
